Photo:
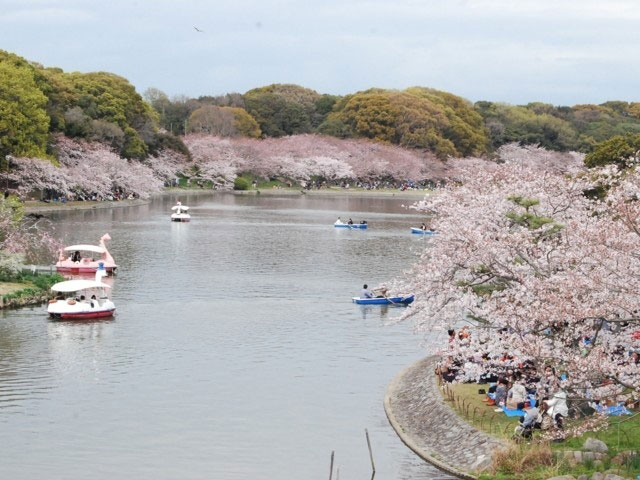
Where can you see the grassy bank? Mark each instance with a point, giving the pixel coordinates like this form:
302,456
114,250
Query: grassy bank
541,460
26,289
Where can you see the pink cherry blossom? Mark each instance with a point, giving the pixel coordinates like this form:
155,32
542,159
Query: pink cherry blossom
542,272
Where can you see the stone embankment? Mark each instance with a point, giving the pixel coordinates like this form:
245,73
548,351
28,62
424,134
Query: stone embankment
428,426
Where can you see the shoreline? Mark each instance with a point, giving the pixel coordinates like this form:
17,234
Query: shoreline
337,192
419,415
43,207
9,288
27,290
39,207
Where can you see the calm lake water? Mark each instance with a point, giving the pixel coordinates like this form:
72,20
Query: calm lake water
236,352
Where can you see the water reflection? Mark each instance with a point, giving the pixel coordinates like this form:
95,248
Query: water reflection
378,311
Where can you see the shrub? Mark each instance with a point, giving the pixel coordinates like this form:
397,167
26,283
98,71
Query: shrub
520,459
241,183
42,281
167,141
10,265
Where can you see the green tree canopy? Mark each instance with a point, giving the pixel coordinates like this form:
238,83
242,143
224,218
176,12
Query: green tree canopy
416,118
223,121
283,109
532,124
579,127
618,150
24,123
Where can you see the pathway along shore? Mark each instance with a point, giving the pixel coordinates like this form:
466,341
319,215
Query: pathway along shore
427,425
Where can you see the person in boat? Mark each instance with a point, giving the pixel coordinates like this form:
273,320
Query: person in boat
76,257
339,221
350,222
363,222
366,293
94,301
423,227
380,292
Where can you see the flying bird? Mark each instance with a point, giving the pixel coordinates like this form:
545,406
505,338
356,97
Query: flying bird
198,30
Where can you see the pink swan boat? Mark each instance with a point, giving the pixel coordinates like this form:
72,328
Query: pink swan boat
79,263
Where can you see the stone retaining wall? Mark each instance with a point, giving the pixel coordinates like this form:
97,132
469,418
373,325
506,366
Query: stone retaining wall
427,425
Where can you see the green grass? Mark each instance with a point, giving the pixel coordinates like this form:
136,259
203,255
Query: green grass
34,285
478,413
622,434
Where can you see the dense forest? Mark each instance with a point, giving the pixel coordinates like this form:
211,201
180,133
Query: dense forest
417,117
39,104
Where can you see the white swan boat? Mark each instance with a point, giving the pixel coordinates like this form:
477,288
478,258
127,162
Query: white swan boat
82,259
81,300
180,213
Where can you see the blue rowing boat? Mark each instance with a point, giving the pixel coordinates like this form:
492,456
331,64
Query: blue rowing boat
419,231
362,226
402,300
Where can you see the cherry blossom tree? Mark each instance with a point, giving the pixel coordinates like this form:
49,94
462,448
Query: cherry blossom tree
90,170
301,157
543,274
22,239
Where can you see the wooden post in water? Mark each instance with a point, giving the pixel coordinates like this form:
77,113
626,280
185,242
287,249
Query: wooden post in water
373,467
331,466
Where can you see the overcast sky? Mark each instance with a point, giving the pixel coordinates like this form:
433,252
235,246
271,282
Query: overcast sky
558,51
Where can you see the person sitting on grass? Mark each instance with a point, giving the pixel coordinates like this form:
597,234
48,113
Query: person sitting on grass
517,394
558,409
531,420
500,398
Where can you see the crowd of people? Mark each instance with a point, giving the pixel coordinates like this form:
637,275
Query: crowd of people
535,393
81,196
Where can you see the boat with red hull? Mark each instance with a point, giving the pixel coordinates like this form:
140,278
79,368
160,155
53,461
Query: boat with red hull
81,300
85,263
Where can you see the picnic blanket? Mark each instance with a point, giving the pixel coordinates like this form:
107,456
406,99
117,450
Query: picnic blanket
513,413
519,413
615,411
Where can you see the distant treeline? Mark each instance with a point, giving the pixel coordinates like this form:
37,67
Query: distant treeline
37,102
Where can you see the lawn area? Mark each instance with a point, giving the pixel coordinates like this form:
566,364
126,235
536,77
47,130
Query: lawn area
470,405
26,288
11,287
623,434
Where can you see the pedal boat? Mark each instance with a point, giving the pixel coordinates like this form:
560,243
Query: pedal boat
180,213
74,300
82,263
